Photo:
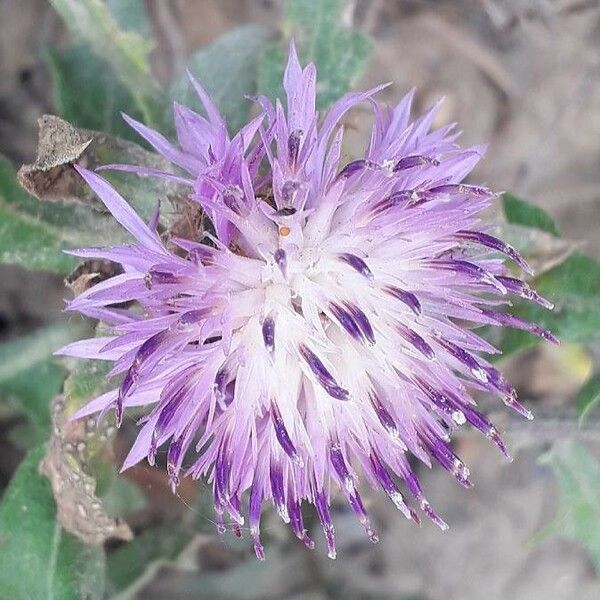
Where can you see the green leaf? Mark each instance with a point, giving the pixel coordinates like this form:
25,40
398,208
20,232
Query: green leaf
122,497
578,476
131,560
126,51
131,15
32,354
519,212
89,94
25,240
33,234
20,356
228,70
588,397
87,380
40,560
339,53
574,287
134,563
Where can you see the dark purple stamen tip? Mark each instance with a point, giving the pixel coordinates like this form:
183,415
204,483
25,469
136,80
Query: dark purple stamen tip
281,260
405,297
416,341
511,401
268,333
408,162
294,146
233,199
471,270
520,288
490,241
356,166
288,193
387,484
283,437
508,320
385,418
297,523
362,321
345,319
357,263
323,376
323,513
466,359
433,516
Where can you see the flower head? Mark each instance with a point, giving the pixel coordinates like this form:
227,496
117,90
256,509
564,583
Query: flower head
321,325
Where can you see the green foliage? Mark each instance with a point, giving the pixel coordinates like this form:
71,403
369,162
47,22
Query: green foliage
88,93
573,286
588,397
39,560
131,15
87,380
126,51
519,212
32,353
27,238
228,70
340,53
578,476
162,543
33,234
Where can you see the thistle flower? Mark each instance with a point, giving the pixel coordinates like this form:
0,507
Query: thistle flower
321,325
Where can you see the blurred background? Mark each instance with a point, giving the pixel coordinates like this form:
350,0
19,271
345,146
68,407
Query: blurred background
521,75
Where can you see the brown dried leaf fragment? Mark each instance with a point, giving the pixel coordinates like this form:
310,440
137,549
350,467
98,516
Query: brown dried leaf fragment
67,464
51,177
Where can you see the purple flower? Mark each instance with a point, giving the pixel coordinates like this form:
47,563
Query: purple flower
322,325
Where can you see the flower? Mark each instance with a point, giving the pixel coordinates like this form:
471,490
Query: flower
321,324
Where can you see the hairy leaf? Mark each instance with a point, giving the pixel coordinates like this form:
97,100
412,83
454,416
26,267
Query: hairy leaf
89,94
520,212
319,29
588,397
126,51
39,559
578,476
228,70
574,287
32,354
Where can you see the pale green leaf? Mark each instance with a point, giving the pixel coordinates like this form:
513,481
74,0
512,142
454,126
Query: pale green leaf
578,476
588,397
126,51
40,561
228,70
339,52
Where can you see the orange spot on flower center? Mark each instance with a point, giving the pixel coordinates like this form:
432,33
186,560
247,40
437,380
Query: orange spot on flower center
284,231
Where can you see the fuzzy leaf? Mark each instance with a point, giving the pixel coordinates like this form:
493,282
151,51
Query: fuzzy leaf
127,52
26,355
578,476
89,94
228,70
40,560
131,15
588,397
27,238
51,178
519,212
574,287
339,53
